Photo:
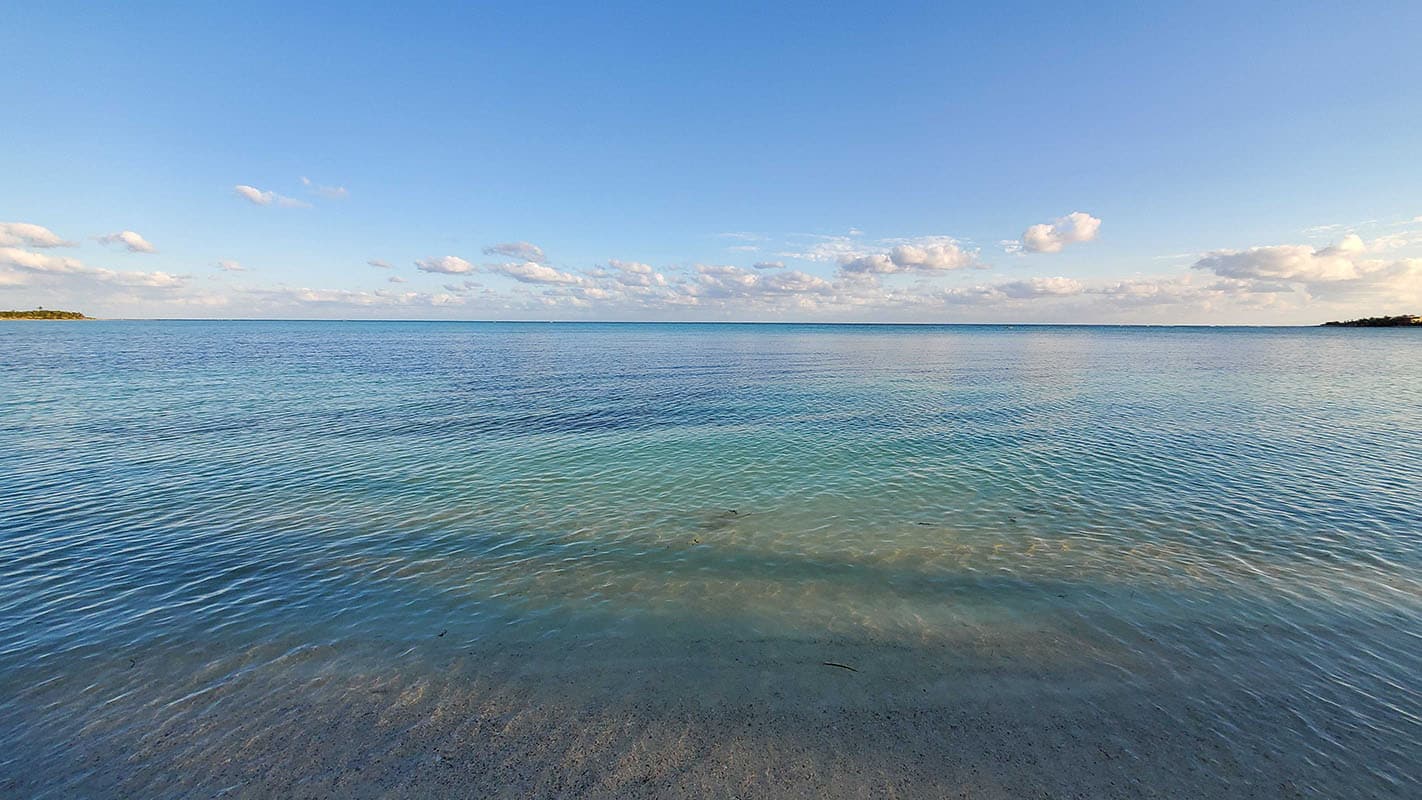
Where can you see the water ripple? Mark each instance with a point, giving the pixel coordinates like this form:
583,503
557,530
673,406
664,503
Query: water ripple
1196,553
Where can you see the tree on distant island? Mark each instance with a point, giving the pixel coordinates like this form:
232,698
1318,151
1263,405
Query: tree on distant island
42,313
1403,321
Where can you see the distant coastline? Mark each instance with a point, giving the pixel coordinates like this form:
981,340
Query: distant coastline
42,313
1403,321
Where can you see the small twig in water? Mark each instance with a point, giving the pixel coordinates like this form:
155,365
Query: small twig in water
841,666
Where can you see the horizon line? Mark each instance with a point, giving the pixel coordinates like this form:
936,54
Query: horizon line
700,322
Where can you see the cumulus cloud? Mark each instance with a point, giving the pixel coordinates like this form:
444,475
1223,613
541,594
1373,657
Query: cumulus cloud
1297,262
25,234
230,266
935,255
1041,287
1051,237
1395,241
448,265
38,262
524,251
532,272
130,241
635,273
1353,275
719,281
1347,271
796,281
15,261
328,192
264,198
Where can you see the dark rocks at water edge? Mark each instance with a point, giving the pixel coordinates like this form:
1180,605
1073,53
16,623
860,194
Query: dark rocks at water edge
42,313
1403,321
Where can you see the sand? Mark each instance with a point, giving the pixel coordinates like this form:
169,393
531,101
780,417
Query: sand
678,719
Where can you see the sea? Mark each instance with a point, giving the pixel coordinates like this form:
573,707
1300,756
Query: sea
414,559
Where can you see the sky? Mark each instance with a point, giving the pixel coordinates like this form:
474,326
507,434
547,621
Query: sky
1217,163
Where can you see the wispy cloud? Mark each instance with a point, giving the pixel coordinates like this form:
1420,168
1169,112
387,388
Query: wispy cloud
15,261
328,192
532,272
230,266
26,234
447,265
128,240
265,198
524,251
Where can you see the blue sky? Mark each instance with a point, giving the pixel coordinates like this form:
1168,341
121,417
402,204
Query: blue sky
1231,162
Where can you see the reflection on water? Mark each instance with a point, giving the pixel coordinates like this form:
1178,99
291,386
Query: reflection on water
414,558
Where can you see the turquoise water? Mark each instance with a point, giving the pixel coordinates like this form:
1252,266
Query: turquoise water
276,558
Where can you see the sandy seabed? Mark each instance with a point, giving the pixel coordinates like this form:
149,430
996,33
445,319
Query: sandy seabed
670,718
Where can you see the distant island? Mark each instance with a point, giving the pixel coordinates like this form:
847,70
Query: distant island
1406,320
42,313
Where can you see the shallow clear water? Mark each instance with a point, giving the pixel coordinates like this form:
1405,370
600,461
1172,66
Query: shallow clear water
412,558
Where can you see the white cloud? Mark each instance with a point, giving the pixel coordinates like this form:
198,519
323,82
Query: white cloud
230,266
448,265
1041,287
635,267
1298,262
378,264
717,281
25,234
261,198
39,262
1051,237
795,281
525,251
531,272
328,192
462,288
1285,283
635,273
826,248
130,241
40,265
932,256
1348,271
1395,241
939,254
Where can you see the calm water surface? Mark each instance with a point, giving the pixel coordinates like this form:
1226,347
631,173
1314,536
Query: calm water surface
348,559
